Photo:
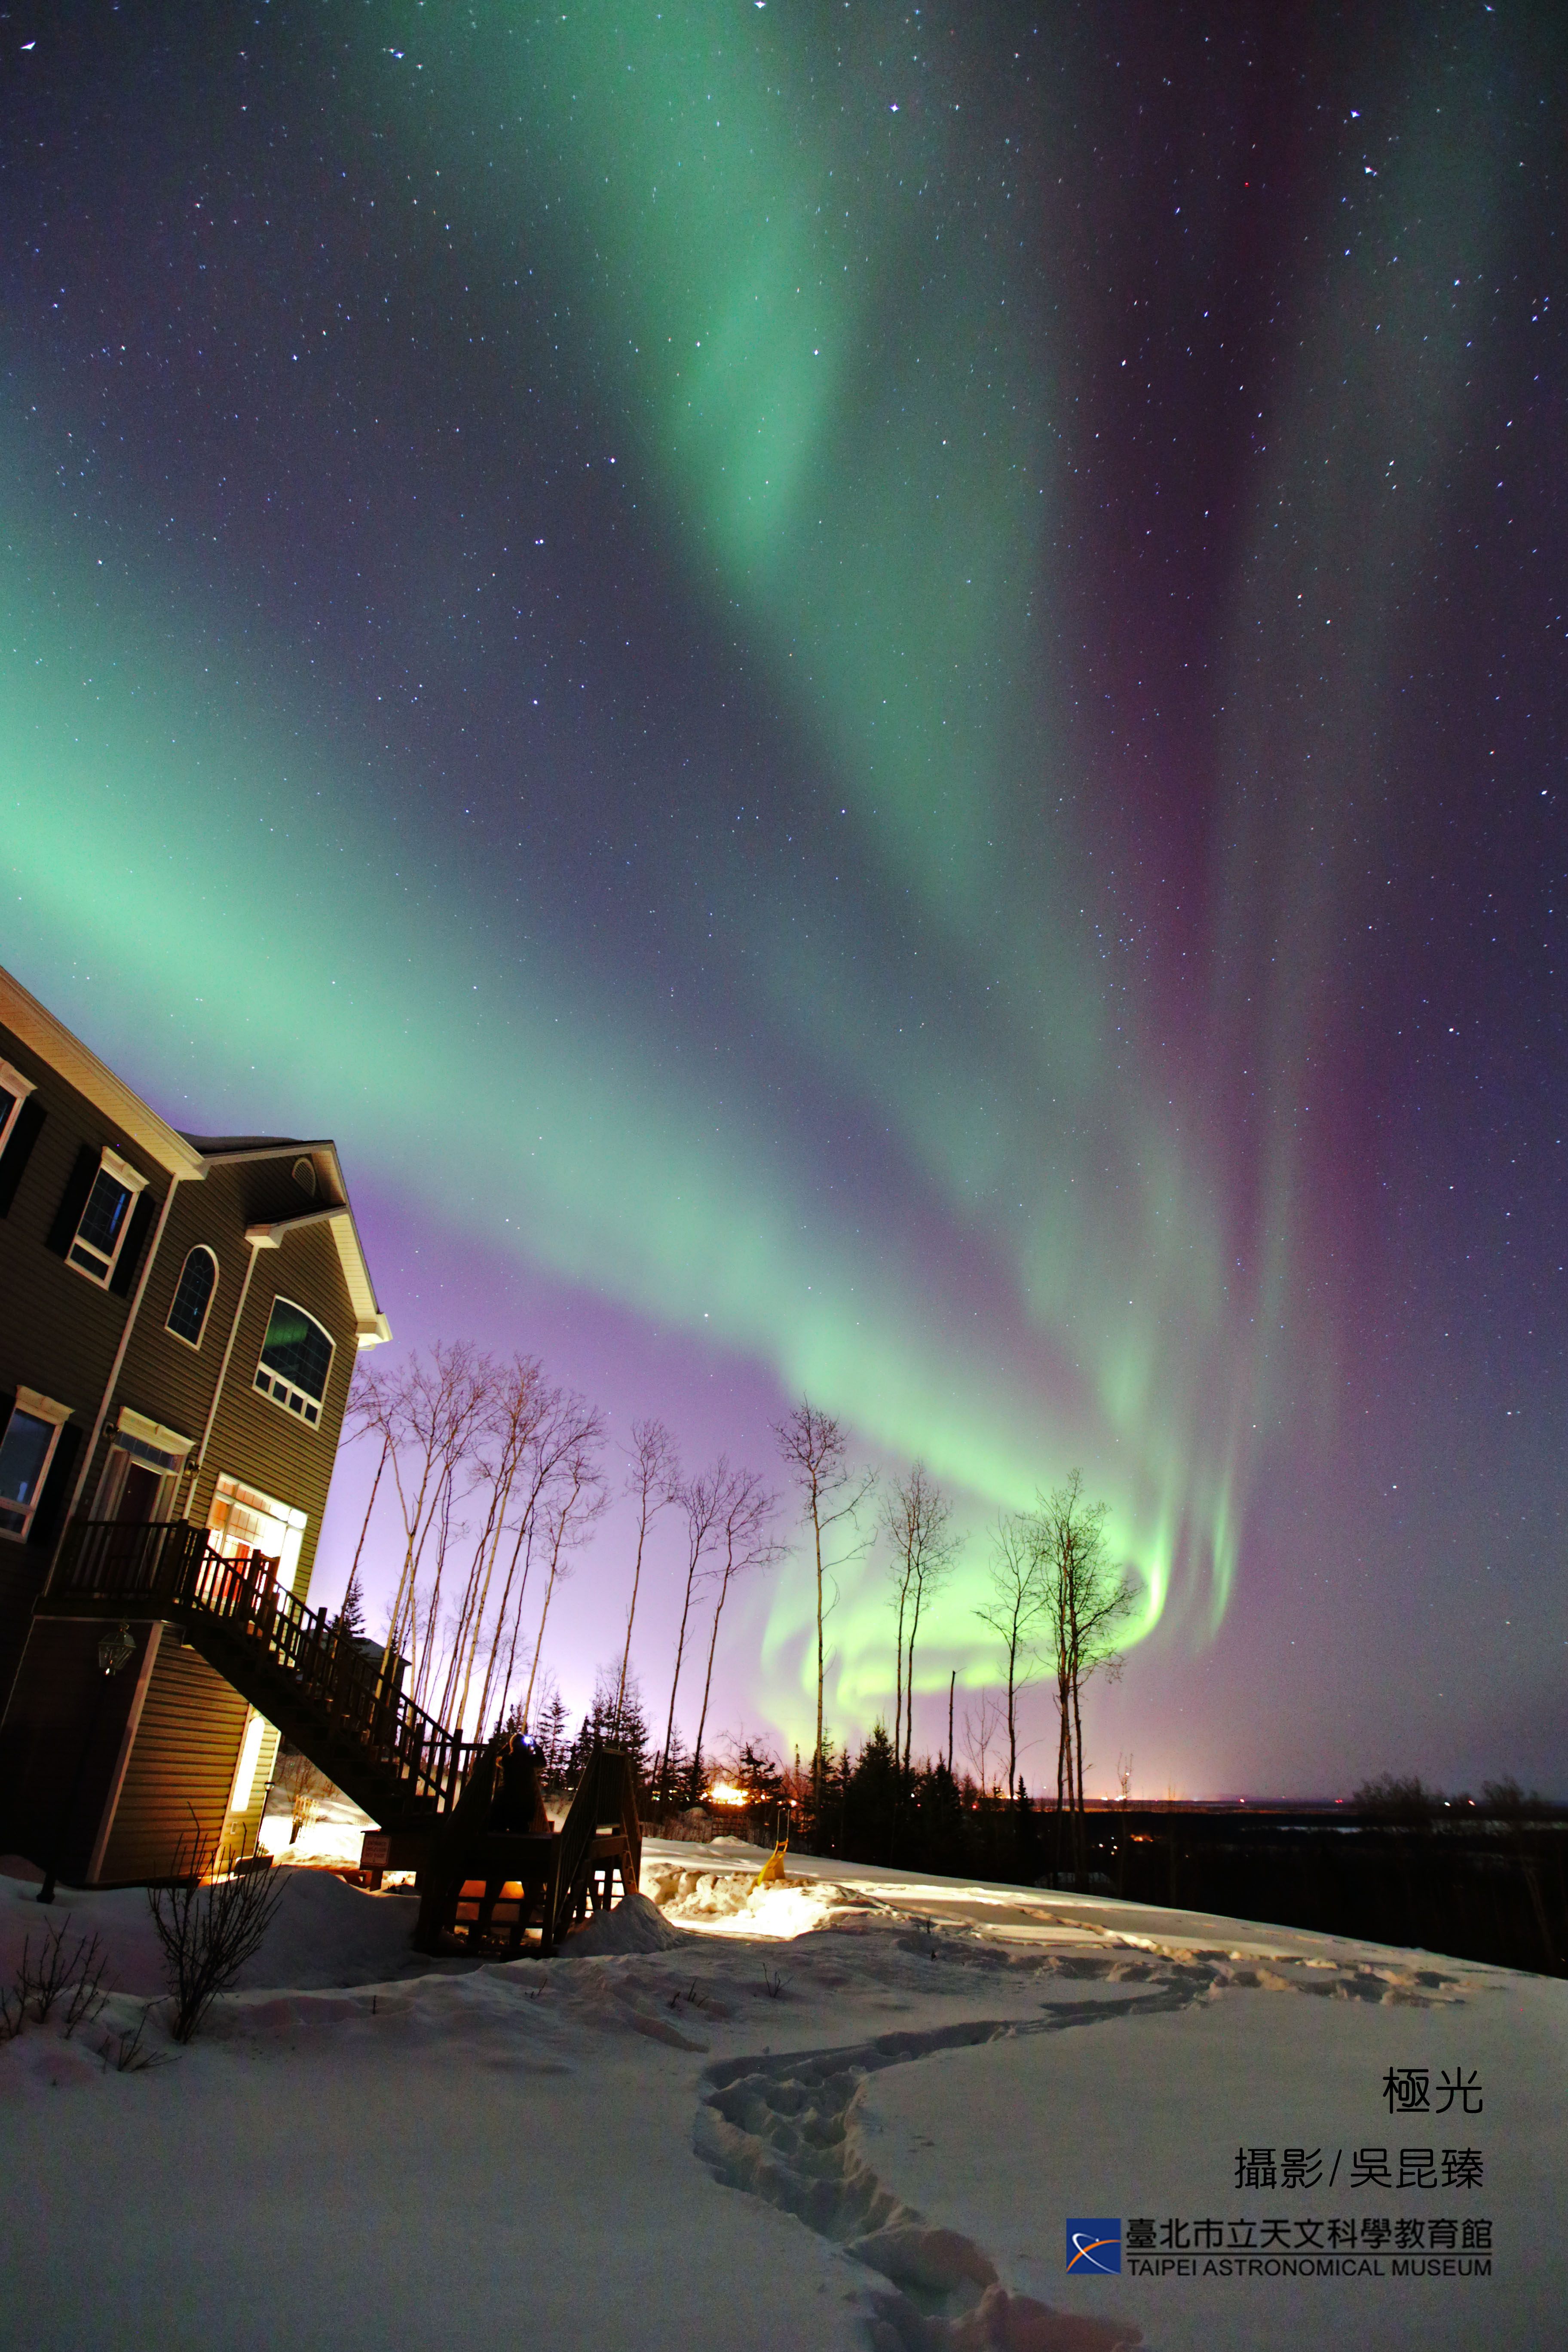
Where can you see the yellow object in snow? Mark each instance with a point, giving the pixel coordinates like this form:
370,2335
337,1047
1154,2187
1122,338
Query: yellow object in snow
773,1870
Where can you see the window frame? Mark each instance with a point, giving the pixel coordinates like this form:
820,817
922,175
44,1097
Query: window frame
131,1181
209,1252
277,1388
36,1408
15,1083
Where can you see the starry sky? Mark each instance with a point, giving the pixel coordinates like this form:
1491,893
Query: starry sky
872,701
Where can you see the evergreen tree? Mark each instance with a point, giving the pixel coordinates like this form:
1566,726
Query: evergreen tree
870,1801
676,1770
351,1616
617,1716
755,1771
633,1732
550,1743
582,1747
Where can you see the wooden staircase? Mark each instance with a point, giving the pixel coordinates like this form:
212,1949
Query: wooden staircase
292,1664
465,1815
495,1873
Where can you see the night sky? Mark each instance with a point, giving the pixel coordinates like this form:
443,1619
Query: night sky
872,701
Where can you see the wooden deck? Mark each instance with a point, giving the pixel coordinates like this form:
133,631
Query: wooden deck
465,1815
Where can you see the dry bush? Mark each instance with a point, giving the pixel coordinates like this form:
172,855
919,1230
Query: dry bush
55,1975
122,2052
1390,1798
209,1930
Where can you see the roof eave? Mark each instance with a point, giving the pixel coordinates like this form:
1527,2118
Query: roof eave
371,1326
64,1052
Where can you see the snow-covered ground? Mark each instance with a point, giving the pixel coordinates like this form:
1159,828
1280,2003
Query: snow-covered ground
854,2109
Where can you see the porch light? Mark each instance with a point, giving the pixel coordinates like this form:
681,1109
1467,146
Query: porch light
114,1651
117,1649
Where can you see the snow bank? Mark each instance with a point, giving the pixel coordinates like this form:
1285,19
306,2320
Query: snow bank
329,1933
727,1900
634,1925
117,1915
325,1932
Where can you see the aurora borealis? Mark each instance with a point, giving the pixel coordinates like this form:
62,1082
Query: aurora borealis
871,700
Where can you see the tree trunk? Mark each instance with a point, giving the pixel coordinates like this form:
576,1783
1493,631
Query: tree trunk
708,1684
675,1685
909,1683
1012,1715
631,1619
1081,1854
821,1659
899,1689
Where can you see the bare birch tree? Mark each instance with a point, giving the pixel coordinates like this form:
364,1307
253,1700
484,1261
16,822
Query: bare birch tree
917,1520
369,1415
564,1429
1014,1609
519,1406
653,1481
1087,1597
578,1498
980,1731
702,1500
434,1413
746,1542
831,1495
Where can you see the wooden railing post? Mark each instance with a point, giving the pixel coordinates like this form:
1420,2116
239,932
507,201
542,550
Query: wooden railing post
172,1567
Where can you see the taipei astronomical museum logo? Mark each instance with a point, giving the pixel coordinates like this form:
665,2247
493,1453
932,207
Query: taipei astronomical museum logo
1094,2246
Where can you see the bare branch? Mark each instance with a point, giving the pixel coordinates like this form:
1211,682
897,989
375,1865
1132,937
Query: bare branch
917,1519
831,1495
653,1478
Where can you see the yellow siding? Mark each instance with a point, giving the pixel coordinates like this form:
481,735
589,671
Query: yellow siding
181,1770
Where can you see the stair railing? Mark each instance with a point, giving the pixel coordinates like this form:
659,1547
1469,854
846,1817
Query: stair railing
169,1568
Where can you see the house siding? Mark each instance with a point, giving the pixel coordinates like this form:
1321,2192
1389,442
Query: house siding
121,1769
59,1330
174,1796
63,1734
253,1439
188,1742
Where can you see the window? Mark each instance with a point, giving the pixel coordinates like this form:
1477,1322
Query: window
193,1296
244,1522
296,1360
14,1092
104,1222
26,1450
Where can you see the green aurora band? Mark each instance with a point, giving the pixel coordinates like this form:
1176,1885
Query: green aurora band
831,387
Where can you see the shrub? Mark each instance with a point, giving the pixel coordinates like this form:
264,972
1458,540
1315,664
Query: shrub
1390,1798
209,1930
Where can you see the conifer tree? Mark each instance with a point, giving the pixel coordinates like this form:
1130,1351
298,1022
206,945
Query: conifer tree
351,1616
550,1742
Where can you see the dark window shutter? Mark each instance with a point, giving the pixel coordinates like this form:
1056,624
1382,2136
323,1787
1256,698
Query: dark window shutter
14,1157
135,1242
62,1232
57,1487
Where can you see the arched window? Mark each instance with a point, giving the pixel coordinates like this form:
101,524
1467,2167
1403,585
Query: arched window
296,1360
194,1296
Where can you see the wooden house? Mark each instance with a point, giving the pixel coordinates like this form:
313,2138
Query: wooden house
179,1320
